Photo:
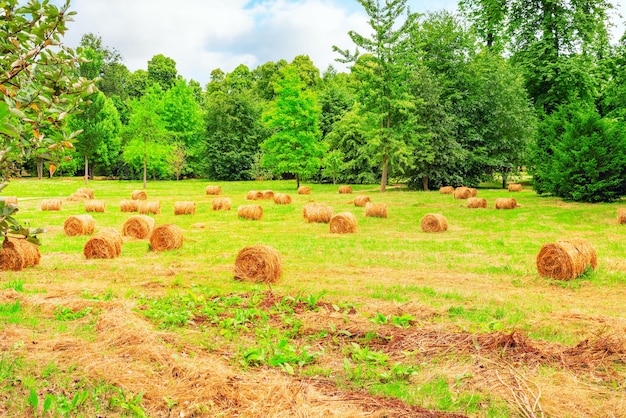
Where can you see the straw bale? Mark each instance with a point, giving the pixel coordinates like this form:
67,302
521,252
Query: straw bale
621,216
222,203
78,197
166,237
87,191
377,210
103,245
51,204
18,253
138,226
434,222
317,212
139,195
462,193
129,205
95,206
184,208
343,223
361,200
473,192
79,225
259,264
345,189
254,212
153,208
446,190
515,187
254,195
566,259
304,190
476,202
268,194
506,203
9,200
282,199
213,190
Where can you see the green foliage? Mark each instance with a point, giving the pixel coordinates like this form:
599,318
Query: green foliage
10,225
162,70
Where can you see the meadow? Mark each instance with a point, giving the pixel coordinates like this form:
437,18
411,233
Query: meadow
388,321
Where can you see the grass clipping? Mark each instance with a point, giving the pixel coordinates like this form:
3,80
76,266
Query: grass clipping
79,225
18,253
166,237
566,259
138,226
434,222
105,244
343,223
259,264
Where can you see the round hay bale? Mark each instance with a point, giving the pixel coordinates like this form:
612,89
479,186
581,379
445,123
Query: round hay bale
95,206
566,259
515,187
78,197
446,190
621,216
184,208
282,199
222,203
476,202
139,195
166,237
153,208
103,245
317,212
79,225
376,210
9,200
473,192
343,223
361,200
462,193
506,203
268,194
89,192
51,205
345,189
213,190
254,195
138,226
304,190
259,264
434,222
254,212
17,254
129,205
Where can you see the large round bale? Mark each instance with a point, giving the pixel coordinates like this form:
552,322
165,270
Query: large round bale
105,244
434,222
9,200
89,192
51,205
139,195
184,208
254,195
345,189
129,205
304,190
259,264
268,194
621,216
78,197
343,223
317,212
254,212
213,190
222,203
462,193
166,237
506,203
282,199
149,208
376,210
361,200
476,202
473,192
95,206
138,226
79,225
18,253
446,190
515,187
566,259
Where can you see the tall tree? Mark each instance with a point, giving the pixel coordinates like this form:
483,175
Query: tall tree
162,70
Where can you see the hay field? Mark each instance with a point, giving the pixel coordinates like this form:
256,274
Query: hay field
381,322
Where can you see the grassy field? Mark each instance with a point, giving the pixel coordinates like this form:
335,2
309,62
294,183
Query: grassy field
389,321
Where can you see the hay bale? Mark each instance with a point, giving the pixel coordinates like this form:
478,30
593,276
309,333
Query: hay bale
139,195
153,208
51,204
17,254
621,216
462,193
129,205
343,223
376,210
95,206
79,225
317,212
473,192
515,187
268,194
103,245
345,189
78,197
446,190
89,192
213,190
282,199
259,264
184,208
222,203
361,200
166,237
566,259
254,195
254,212
9,200
138,226
304,190
434,222
476,202
506,203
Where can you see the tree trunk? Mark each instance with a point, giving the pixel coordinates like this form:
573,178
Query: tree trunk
39,168
504,177
425,183
297,181
86,170
145,170
383,179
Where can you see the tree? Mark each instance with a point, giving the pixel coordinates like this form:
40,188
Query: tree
162,70
295,146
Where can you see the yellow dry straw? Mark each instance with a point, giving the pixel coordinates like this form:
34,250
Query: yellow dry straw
95,206
259,264
345,189
254,212
221,203
343,223
18,253
77,197
254,195
621,216
434,222
79,225
184,208
376,210
317,212
282,199
9,200
566,259
51,205
166,237
506,203
361,200
138,226
146,208
268,194
89,192
304,190
476,202
105,244
129,205
446,190
139,195
213,190
515,187
462,193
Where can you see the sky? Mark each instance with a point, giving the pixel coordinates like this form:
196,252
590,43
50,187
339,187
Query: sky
203,35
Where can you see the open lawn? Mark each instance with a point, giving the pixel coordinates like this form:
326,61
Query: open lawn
388,321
